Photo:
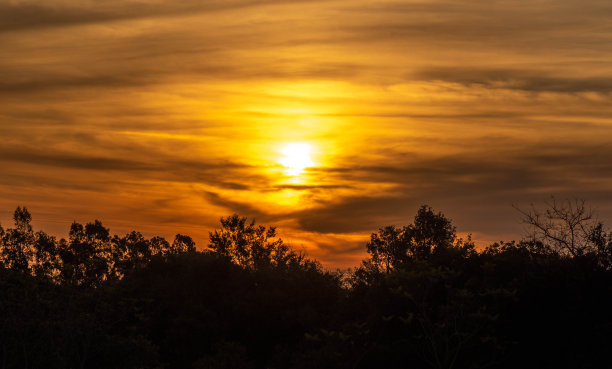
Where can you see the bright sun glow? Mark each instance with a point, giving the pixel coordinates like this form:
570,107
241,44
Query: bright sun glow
296,157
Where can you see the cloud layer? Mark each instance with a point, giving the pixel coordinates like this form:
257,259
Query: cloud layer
165,115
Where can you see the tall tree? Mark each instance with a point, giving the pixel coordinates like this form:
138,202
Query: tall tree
17,243
182,244
45,261
430,234
387,247
86,256
130,251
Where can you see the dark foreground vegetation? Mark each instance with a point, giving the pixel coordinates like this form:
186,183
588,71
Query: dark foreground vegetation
423,299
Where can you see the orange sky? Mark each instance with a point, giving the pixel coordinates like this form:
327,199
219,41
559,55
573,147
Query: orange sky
162,116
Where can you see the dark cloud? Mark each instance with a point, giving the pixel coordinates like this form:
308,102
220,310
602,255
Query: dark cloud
354,214
23,15
515,79
237,207
87,82
523,168
31,182
139,167
70,160
490,114
36,117
304,187
20,16
492,26
234,186
144,73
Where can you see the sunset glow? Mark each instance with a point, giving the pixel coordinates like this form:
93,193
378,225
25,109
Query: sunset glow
326,119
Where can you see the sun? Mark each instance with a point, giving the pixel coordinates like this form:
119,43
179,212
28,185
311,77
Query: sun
296,158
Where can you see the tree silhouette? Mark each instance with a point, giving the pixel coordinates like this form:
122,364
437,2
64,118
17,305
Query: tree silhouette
86,255
602,241
423,298
567,227
430,235
45,256
388,248
182,244
17,243
129,252
254,246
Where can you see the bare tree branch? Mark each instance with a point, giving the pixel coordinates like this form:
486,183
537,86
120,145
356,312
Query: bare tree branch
564,226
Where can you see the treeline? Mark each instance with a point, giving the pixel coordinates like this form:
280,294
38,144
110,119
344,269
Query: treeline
91,256
423,298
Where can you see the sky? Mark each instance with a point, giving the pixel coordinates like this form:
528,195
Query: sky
328,119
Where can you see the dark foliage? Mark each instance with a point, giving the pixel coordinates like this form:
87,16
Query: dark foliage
423,298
